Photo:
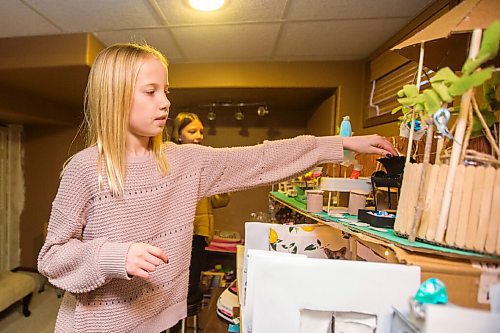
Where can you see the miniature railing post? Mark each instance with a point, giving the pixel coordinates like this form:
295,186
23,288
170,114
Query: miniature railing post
461,124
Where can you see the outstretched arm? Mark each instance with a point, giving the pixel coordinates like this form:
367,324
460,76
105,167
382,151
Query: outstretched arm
232,169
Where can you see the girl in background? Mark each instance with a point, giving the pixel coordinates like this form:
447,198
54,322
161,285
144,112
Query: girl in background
120,229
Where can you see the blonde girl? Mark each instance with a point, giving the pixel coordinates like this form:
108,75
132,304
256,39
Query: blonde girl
120,228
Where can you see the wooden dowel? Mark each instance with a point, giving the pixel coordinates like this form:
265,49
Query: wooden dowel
457,144
419,80
421,193
439,148
468,132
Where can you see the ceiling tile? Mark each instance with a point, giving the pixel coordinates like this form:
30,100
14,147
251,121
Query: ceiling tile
97,15
228,42
335,40
158,38
178,12
19,20
348,9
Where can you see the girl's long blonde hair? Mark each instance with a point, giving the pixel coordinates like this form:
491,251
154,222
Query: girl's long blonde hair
108,100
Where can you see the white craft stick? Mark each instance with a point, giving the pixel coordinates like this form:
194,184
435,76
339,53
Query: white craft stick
457,144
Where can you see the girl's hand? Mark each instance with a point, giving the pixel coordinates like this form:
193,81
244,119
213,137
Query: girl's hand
370,144
143,259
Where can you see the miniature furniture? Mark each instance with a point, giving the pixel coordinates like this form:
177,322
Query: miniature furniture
14,287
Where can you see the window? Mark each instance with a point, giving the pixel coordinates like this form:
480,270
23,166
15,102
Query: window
383,94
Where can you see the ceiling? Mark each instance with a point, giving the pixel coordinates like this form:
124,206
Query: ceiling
243,30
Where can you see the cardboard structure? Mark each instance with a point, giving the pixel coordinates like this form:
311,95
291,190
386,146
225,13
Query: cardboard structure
446,38
290,293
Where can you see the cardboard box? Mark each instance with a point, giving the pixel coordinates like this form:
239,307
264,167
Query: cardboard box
467,283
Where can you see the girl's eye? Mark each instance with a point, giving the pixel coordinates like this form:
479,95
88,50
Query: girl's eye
150,92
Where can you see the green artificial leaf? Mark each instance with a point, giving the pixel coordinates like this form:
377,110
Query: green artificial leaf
432,101
290,229
400,93
496,79
273,246
395,110
467,82
410,90
489,117
310,247
294,250
406,109
419,107
489,93
442,90
477,127
444,74
407,101
488,50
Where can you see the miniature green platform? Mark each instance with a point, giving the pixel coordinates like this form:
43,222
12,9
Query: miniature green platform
388,236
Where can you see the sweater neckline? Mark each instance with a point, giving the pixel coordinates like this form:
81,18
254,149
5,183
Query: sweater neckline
139,159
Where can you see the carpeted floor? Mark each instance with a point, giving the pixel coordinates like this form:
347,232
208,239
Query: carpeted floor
43,307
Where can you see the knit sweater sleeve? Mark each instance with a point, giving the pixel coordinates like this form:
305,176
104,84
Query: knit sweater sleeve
65,259
238,168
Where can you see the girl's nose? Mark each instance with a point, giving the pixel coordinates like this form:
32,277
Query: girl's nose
165,105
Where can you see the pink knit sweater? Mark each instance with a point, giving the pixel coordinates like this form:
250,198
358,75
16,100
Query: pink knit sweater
90,230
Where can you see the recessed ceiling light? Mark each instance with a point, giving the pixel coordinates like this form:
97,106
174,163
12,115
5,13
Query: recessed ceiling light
206,5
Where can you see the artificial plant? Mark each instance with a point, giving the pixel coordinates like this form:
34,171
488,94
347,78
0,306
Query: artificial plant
446,85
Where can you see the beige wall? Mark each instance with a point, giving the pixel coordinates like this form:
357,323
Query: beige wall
323,120
46,149
243,203
346,76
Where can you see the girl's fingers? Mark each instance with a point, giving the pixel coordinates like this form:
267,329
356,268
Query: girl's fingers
384,147
140,273
146,266
152,259
157,252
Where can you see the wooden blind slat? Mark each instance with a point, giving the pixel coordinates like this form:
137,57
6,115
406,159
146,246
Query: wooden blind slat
386,87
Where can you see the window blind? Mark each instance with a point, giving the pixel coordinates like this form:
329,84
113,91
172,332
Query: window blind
383,95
